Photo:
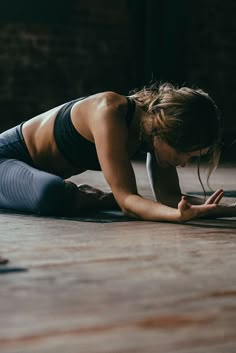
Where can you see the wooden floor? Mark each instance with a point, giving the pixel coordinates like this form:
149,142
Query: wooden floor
125,287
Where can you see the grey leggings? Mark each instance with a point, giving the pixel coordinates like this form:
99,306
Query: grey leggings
25,188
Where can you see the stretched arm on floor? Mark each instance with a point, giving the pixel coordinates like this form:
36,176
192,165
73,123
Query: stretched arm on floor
110,134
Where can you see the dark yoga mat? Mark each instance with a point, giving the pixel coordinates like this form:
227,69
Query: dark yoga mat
101,217
93,216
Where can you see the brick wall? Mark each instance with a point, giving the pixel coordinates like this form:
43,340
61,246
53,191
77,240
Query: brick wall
47,57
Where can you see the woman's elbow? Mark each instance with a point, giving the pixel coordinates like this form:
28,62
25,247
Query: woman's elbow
127,211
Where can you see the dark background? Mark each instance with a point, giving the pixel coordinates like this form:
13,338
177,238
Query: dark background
52,51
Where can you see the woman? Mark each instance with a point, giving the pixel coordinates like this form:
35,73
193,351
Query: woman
103,132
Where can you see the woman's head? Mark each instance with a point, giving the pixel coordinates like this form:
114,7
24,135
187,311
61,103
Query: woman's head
182,123
186,119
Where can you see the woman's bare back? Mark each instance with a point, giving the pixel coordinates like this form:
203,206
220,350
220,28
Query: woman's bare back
39,137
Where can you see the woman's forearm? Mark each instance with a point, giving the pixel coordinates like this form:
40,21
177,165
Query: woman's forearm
148,210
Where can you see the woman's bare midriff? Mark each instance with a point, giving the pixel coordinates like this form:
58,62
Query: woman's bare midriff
39,138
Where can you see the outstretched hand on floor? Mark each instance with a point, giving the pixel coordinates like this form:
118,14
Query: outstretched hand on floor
210,208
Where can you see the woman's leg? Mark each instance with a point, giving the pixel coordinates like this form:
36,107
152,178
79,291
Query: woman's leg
25,188
28,189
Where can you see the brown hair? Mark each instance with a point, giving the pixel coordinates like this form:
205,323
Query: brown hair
185,118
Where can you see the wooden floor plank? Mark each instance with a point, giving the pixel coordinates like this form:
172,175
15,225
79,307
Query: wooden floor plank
120,287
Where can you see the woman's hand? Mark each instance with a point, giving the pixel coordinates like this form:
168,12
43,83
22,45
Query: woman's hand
209,208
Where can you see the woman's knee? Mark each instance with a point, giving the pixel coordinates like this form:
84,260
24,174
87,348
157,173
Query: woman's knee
54,197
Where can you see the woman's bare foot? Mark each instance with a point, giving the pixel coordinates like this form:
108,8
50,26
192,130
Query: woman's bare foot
99,200
90,198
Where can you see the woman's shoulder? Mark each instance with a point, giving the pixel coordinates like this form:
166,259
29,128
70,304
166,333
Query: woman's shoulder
109,101
99,109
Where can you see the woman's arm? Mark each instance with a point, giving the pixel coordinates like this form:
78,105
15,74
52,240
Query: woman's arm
110,134
165,184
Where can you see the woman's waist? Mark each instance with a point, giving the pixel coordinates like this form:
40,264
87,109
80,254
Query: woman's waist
13,146
57,154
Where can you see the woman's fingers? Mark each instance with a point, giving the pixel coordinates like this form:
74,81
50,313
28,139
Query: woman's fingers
215,197
188,211
219,197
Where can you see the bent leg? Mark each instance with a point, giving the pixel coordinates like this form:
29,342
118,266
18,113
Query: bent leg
28,189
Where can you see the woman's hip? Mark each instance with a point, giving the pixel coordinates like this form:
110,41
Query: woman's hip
12,145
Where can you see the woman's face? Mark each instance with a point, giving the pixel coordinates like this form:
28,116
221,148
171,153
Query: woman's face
167,156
